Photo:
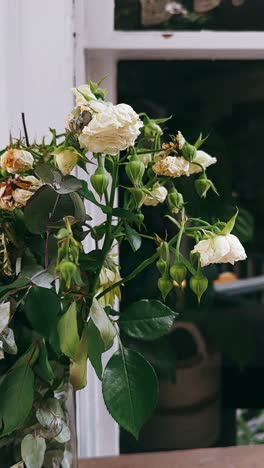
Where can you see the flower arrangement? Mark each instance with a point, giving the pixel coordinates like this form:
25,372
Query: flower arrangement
58,299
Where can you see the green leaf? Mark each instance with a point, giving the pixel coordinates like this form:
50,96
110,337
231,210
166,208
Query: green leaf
96,348
4,315
147,320
200,140
41,309
29,357
68,332
133,238
43,367
16,397
18,283
79,208
229,225
78,367
103,323
33,451
130,389
38,209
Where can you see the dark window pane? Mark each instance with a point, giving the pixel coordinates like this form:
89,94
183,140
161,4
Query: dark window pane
220,15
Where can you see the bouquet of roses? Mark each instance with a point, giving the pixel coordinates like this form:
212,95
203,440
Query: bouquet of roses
58,297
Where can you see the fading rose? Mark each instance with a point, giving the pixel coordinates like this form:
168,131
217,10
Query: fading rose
220,249
158,195
176,166
16,160
15,193
66,159
35,183
21,197
112,128
109,275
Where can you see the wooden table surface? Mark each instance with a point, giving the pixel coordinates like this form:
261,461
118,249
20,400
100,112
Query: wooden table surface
230,457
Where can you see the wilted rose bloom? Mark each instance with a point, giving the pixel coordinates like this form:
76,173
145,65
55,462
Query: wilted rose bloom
220,249
112,128
15,193
158,195
66,160
176,166
16,160
35,183
21,197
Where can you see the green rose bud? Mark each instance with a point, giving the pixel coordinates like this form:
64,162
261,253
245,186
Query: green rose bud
202,185
139,218
63,232
198,284
165,286
135,170
138,195
161,265
188,152
178,272
99,181
175,202
67,270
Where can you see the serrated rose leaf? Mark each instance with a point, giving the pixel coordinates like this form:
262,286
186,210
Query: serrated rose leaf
147,320
130,389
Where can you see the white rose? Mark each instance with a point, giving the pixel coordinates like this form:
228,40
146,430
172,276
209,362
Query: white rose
220,249
16,160
82,91
201,158
158,195
176,166
112,128
66,160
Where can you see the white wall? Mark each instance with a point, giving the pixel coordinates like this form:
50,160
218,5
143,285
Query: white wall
36,65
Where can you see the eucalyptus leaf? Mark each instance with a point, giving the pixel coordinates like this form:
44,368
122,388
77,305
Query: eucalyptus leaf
4,315
68,185
51,416
41,309
147,320
68,332
103,323
47,174
130,389
8,339
39,208
33,451
16,397
78,366
44,279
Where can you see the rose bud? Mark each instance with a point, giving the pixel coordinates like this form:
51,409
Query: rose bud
175,202
99,181
135,170
165,286
198,284
202,185
178,273
66,159
161,265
